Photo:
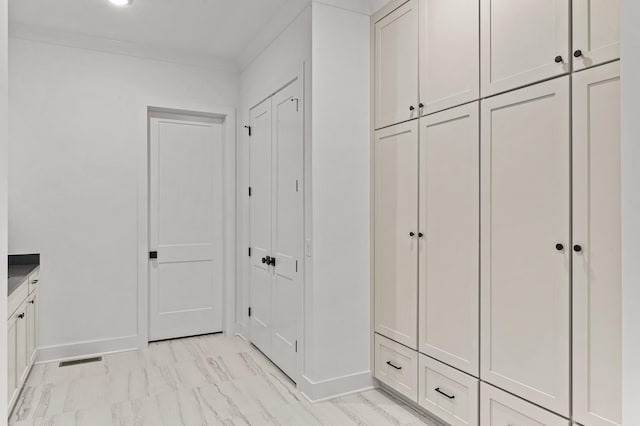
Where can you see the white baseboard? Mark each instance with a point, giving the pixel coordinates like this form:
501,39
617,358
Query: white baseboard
339,386
86,349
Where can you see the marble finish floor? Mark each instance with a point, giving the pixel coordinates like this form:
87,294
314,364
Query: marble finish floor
207,380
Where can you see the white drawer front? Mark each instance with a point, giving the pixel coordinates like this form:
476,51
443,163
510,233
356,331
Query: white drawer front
498,408
447,392
396,366
33,281
16,298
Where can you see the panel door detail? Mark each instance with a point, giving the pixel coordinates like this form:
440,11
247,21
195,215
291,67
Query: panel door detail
597,264
449,53
260,227
596,32
525,246
287,226
396,233
447,392
449,249
185,226
498,408
522,42
396,66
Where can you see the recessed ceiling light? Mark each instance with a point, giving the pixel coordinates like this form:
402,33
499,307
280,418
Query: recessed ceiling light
121,2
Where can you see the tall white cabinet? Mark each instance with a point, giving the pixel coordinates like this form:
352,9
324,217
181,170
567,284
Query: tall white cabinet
496,210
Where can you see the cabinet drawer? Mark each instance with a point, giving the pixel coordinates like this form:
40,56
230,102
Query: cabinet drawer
17,298
33,281
498,408
396,366
447,392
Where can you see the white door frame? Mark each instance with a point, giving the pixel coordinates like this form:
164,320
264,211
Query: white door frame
228,115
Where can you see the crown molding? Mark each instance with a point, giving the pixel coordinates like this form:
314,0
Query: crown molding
83,41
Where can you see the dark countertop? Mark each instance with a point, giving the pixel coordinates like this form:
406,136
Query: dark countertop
20,267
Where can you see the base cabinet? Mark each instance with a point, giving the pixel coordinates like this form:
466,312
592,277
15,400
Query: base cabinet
396,366
11,360
498,408
447,392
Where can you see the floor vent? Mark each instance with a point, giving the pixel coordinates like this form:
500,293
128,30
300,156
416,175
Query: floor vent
80,361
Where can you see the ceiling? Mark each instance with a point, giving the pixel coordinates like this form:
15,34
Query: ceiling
219,28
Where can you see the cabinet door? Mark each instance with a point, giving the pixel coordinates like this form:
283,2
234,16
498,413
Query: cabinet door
498,408
521,42
525,253
396,228
11,359
449,250
396,66
449,53
596,32
22,331
597,344
32,328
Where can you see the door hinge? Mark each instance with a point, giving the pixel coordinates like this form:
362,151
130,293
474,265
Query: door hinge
249,129
249,251
249,191
296,346
249,311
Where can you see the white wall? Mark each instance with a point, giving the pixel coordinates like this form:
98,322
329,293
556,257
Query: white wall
73,181
337,299
630,80
4,94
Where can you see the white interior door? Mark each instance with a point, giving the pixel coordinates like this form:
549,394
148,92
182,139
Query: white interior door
396,233
287,226
276,215
449,252
260,228
522,42
185,226
596,32
396,66
597,281
525,252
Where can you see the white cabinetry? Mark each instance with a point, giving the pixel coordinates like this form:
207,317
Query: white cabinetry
522,42
498,408
597,343
11,360
396,66
449,248
596,32
396,366
449,53
525,243
396,233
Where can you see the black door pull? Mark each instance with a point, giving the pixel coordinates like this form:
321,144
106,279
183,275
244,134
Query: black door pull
264,260
558,59
153,255
577,248
391,364
272,262
559,247
442,393
577,53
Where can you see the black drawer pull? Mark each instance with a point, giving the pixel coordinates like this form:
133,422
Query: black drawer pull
442,393
389,363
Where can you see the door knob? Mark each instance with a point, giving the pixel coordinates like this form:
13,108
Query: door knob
264,260
421,105
412,234
559,247
420,234
411,108
577,53
558,59
577,248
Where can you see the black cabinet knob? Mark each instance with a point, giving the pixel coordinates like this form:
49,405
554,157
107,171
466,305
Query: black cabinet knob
412,108
412,234
577,53
558,59
559,247
420,234
421,105
272,261
577,248
264,260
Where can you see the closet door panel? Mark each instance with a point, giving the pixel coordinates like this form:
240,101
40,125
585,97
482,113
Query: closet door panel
396,217
396,66
525,253
449,250
449,53
520,41
596,32
597,298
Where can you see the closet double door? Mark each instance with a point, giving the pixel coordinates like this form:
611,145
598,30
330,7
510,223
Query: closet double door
276,226
426,219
